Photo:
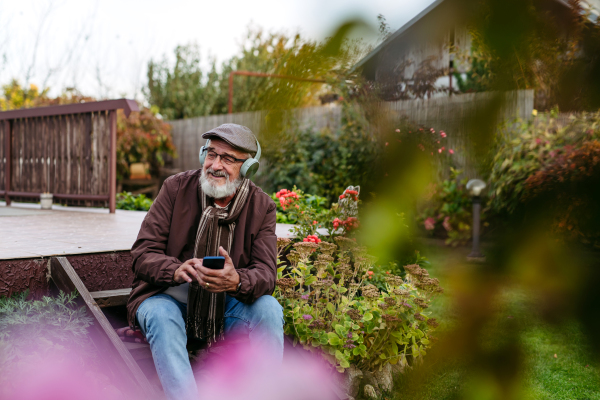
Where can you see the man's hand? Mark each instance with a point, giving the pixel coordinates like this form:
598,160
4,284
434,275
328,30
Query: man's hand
186,271
219,280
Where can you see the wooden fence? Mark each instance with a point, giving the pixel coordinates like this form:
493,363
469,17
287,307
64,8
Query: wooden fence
187,132
451,114
67,150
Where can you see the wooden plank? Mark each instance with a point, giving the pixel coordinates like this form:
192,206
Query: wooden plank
139,351
110,347
111,298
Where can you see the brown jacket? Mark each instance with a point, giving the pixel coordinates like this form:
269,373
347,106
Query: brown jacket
168,235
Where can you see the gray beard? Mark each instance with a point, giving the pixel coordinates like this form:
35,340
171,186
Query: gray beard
219,191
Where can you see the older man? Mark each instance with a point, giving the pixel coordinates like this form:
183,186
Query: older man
212,211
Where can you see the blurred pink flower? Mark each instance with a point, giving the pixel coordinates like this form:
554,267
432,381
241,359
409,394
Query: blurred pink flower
443,134
245,372
451,151
440,150
429,223
446,224
398,130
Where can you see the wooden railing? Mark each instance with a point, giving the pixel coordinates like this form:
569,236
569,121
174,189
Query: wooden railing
68,150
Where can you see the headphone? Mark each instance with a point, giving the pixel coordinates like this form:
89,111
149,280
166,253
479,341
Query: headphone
249,167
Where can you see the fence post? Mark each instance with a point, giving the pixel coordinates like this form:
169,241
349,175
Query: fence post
112,175
8,155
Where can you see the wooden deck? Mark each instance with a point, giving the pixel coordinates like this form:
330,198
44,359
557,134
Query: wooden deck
26,231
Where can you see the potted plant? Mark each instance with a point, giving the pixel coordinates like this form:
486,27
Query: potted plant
46,201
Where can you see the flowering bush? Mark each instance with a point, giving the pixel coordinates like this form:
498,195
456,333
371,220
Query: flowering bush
308,213
554,159
329,305
294,206
143,137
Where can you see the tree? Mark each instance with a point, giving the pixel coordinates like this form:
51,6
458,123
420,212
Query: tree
185,90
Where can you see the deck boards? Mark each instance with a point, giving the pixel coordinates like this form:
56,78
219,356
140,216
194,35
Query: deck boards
26,231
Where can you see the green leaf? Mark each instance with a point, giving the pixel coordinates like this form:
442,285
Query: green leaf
331,308
310,280
368,316
382,356
344,363
334,341
340,330
332,335
339,355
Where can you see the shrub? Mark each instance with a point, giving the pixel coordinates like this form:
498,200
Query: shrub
322,162
293,204
143,137
128,201
552,159
331,303
31,330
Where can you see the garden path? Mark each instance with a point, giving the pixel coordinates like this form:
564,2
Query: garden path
26,231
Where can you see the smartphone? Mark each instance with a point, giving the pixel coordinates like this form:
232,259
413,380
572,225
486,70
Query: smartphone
214,262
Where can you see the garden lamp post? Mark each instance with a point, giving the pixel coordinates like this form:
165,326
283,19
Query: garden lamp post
475,187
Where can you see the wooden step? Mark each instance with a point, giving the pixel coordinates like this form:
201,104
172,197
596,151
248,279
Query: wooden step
111,298
139,351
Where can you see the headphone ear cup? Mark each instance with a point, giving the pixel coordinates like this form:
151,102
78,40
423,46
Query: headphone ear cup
249,168
202,155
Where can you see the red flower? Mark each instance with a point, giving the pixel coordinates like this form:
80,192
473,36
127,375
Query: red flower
315,222
336,223
312,238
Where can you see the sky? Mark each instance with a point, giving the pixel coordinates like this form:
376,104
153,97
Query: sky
102,48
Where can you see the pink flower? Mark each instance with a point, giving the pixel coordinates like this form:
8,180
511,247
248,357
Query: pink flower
386,143
446,224
307,317
440,150
429,223
443,134
398,130
431,129
451,151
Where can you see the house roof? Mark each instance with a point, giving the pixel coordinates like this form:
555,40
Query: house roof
396,34
592,7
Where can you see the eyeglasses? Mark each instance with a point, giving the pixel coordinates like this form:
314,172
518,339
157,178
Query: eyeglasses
225,159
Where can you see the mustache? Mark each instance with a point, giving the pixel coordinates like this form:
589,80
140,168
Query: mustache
217,173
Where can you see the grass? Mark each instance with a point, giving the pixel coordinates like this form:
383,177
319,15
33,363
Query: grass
515,344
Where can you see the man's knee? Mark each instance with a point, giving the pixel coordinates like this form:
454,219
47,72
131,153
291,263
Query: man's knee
268,310
159,313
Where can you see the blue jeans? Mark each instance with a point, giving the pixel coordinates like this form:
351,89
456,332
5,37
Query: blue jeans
162,320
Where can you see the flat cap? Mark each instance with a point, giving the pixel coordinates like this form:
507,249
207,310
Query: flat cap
237,136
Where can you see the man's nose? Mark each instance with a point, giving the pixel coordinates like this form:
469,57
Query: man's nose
217,164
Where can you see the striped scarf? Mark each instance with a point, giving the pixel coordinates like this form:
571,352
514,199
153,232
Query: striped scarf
206,310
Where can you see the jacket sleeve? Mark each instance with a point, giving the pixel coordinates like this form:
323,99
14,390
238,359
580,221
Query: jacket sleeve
150,263
259,277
